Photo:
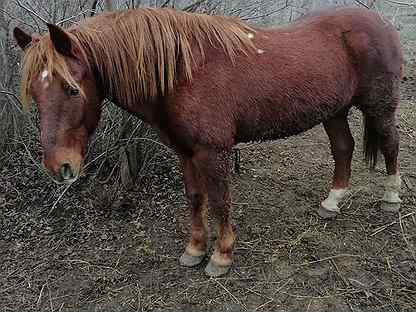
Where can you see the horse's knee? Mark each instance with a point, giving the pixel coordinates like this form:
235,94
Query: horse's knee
195,199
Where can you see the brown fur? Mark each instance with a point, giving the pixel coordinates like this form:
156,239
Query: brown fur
200,82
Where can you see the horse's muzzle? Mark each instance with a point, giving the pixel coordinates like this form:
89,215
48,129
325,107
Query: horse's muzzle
64,165
66,173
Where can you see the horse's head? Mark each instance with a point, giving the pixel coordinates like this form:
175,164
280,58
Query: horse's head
57,76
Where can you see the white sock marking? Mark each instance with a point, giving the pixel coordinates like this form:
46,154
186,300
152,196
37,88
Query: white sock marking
392,186
333,199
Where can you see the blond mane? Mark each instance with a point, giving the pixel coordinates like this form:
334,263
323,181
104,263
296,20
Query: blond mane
136,52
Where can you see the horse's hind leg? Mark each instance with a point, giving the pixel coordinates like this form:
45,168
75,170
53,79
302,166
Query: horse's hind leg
381,133
390,149
214,165
342,147
198,200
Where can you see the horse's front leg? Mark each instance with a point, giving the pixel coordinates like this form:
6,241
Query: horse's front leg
214,165
342,147
198,200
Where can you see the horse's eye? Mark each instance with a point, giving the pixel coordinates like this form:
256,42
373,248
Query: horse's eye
73,92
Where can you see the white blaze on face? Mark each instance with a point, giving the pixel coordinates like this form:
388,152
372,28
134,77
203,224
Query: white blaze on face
250,35
44,75
43,78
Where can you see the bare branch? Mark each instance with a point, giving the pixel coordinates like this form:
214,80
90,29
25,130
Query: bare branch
31,11
94,8
75,16
268,13
362,4
402,3
165,4
194,6
15,99
108,5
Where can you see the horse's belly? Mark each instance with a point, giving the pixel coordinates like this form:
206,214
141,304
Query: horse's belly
272,132
269,124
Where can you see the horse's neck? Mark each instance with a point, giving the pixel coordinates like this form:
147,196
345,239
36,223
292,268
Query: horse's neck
141,109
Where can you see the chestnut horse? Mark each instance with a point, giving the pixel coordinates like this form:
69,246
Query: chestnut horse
208,82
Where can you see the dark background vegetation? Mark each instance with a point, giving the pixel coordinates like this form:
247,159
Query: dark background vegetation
110,241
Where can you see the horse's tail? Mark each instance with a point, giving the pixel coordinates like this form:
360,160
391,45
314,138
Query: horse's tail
371,141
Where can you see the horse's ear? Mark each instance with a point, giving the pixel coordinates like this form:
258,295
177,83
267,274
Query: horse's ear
61,40
23,39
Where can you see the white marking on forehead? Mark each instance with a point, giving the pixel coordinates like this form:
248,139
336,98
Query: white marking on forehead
44,75
43,78
260,51
250,35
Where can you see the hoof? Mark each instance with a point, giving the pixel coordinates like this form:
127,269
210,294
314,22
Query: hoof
390,207
326,214
190,261
215,270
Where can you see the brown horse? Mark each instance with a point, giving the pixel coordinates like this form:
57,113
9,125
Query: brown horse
206,83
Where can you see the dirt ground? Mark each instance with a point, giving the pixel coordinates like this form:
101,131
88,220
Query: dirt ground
97,248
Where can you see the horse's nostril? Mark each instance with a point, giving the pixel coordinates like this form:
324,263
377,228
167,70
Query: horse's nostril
66,172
